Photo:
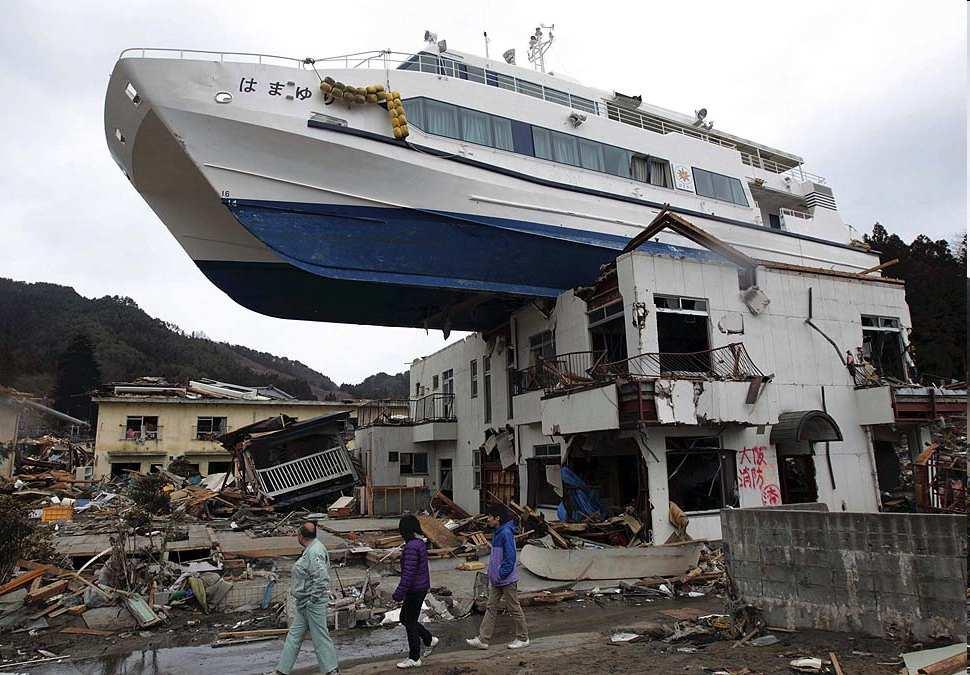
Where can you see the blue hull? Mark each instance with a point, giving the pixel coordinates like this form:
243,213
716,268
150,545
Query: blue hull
404,267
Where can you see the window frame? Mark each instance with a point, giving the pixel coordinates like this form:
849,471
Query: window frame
727,467
536,347
410,462
473,378
487,388
211,432
733,200
417,117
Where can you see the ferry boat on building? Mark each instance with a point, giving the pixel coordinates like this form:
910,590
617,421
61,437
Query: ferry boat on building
294,191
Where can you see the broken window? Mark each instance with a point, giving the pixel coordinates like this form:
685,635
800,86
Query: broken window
541,493
542,345
607,331
218,467
796,475
682,328
473,378
392,457
413,463
141,427
434,383
417,389
487,384
701,476
121,469
207,428
882,345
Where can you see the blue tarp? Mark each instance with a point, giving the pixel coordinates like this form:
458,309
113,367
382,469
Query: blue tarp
581,499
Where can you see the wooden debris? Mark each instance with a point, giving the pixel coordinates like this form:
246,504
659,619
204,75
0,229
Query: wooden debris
21,581
45,592
836,666
437,533
74,630
948,666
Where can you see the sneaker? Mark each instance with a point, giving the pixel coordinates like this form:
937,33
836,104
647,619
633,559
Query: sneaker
409,663
430,648
476,643
518,644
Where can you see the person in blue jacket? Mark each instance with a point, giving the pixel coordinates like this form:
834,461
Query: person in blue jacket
503,578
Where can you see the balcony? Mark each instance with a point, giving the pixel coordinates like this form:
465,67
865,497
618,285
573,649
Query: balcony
408,412
562,372
583,393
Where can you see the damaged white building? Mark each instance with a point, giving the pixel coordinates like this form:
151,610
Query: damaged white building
691,374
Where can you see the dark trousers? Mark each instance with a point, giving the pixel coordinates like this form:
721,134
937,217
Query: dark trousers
417,633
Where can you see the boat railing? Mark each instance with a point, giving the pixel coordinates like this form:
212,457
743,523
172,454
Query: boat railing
797,172
426,62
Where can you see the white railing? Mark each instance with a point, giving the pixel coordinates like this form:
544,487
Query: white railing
796,172
305,472
426,62
792,213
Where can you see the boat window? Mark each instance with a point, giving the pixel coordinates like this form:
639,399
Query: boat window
475,127
441,119
591,155
502,133
581,103
565,150
640,168
413,63
660,172
556,96
528,88
414,111
474,74
429,63
616,161
499,80
543,142
710,184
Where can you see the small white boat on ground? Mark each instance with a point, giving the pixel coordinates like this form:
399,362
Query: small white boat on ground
589,564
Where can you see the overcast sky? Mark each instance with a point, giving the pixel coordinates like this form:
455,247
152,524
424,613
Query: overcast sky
871,94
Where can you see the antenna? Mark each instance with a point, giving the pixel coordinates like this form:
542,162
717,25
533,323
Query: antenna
485,35
539,45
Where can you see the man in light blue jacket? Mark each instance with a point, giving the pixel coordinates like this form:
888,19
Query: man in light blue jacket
310,588
503,579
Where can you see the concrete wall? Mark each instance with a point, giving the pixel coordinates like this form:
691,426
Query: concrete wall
9,418
177,420
875,573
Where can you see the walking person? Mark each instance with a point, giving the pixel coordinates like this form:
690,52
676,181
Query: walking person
503,578
310,588
414,585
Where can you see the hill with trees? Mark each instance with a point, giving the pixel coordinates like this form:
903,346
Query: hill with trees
56,342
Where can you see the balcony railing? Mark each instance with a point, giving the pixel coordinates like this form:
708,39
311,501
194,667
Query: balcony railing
430,408
141,436
562,371
305,472
730,362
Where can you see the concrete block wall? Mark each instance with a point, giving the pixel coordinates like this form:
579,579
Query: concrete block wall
874,573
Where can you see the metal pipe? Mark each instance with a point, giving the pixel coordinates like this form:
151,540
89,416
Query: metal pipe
828,453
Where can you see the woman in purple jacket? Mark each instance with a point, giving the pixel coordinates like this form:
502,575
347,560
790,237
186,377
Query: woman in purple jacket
415,582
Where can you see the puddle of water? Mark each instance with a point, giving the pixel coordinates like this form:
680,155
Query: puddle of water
259,657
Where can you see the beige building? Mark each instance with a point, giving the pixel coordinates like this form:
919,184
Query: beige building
141,431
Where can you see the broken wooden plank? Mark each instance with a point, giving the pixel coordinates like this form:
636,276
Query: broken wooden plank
952,664
75,630
262,632
21,581
835,664
45,592
437,533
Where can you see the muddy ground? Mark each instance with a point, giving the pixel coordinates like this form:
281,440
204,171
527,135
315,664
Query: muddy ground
573,636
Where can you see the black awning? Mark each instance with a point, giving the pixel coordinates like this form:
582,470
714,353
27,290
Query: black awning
802,426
